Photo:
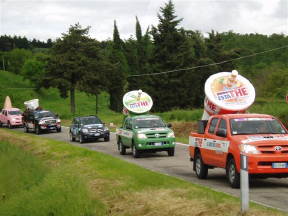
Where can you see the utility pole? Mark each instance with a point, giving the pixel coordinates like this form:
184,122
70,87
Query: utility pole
3,63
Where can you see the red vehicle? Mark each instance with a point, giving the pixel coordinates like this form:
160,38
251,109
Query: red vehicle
11,117
219,141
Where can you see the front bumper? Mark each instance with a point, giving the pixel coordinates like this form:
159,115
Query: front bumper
262,164
92,136
49,127
162,144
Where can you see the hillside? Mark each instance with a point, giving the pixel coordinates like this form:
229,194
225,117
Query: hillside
20,90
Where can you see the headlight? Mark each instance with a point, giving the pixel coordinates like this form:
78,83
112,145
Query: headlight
58,120
248,149
84,130
171,135
41,122
141,136
106,129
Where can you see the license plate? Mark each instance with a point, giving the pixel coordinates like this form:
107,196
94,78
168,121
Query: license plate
158,143
279,165
96,134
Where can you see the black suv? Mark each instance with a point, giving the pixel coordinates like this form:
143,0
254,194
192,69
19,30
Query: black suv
88,128
41,120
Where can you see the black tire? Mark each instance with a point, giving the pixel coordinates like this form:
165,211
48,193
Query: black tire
72,139
26,129
38,130
171,152
81,139
9,125
1,125
107,138
135,152
58,130
201,169
232,175
122,148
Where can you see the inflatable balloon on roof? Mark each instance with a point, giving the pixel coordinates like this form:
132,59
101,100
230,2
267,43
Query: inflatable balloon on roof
227,93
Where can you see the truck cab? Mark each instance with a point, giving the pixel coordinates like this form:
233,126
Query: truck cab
220,141
145,133
11,117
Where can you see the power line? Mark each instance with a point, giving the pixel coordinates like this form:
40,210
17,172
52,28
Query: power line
208,65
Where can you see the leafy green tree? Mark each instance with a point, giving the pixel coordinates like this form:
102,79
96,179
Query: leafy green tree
119,71
34,69
68,62
16,59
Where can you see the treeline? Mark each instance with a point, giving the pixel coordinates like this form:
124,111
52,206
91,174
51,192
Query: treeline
77,61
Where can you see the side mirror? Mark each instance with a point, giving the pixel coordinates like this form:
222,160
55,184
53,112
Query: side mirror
169,125
221,133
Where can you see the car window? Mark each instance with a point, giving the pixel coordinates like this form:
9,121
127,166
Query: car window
128,123
213,125
222,125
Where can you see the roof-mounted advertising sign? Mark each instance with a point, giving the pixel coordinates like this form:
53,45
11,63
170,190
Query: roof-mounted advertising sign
137,101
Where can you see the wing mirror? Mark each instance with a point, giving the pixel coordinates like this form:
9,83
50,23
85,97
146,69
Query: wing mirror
221,133
169,125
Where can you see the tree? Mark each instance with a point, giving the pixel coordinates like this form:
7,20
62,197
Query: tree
119,71
16,58
34,69
68,62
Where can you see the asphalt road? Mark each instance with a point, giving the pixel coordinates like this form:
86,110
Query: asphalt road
271,192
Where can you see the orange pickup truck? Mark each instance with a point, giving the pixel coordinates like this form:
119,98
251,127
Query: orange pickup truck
219,141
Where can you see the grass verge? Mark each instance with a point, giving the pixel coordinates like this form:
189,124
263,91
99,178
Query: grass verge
117,187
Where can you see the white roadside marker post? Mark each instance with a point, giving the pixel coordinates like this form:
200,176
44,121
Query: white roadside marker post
244,183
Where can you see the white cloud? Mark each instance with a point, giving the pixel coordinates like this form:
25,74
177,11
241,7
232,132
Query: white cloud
43,19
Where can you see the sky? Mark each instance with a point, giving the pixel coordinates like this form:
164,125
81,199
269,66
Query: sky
43,19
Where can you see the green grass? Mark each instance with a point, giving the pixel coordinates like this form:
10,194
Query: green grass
84,182
28,187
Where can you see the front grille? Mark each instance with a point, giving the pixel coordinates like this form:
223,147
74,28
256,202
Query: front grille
153,143
156,135
270,149
269,163
93,130
50,121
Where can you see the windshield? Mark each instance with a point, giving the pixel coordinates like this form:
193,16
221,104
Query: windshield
44,114
256,126
16,112
88,121
148,123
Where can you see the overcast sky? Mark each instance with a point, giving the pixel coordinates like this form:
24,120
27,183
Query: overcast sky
43,19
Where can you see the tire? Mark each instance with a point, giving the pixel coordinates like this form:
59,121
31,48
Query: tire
171,152
9,125
58,130
38,130
232,175
107,138
72,139
1,125
135,152
81,139
201,169
26,129
122,148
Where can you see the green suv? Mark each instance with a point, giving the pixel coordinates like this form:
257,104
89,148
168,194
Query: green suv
145,133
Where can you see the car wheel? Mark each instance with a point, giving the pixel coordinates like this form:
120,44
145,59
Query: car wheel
26,128
37,130
201,169
58,130
81,139
135,152
122,148
171,152
72,139
9,125
107,138
232,175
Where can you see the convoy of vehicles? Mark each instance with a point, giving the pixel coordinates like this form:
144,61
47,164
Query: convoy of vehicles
220,141
88,128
